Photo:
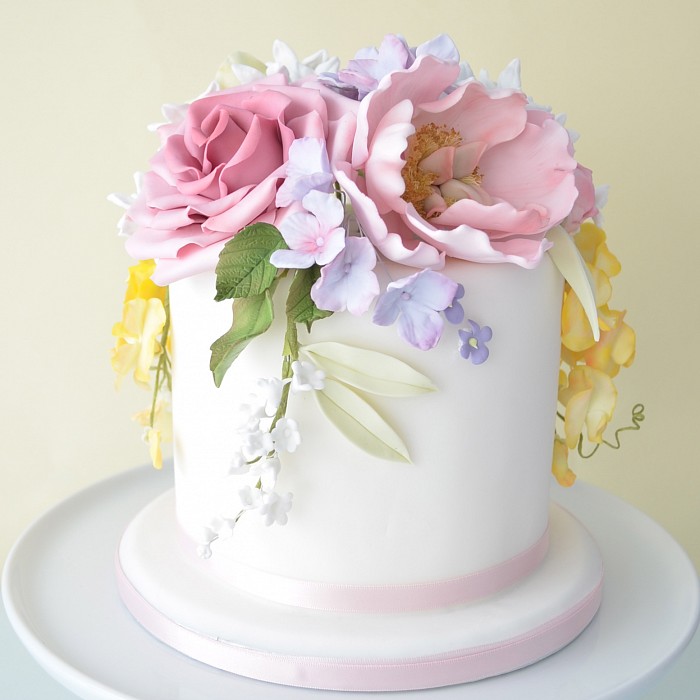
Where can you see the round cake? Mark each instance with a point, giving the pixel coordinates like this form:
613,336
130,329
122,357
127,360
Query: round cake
352,285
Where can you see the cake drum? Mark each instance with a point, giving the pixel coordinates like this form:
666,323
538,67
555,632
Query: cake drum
60,593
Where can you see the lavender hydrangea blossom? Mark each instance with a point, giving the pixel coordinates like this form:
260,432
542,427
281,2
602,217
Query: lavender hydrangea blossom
473,342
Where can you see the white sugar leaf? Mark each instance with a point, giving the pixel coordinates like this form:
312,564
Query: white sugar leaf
572,266
371,371
360,423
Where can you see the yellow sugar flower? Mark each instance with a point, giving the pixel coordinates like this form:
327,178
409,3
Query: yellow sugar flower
140,285
616,348
156,431
137,339
590,241
560,463
589,399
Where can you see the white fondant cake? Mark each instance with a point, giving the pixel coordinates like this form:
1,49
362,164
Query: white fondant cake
363,456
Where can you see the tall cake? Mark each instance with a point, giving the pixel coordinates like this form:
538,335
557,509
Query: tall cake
377,299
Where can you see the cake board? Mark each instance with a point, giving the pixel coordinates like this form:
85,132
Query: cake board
80,633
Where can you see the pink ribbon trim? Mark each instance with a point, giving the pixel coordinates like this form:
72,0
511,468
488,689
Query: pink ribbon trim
380,599
450,668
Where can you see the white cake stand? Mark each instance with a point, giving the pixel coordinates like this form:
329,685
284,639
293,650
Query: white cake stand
60,594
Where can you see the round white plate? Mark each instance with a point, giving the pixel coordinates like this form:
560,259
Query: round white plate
60,593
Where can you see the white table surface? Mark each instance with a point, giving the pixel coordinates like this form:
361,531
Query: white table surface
21,677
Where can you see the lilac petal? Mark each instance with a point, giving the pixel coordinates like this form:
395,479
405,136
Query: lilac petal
441,47
291,259
420,328
454,313
388,307
479,355
432,289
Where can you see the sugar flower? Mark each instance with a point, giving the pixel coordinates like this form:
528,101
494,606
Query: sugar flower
454,313
137,339
473,342
348,282
274,508
268,394
370,65
286,435
218,171
267,470
560,463
256,443
250,497
589,398
306,376
307,169
472,174
241,67
157,429
416,302
313,236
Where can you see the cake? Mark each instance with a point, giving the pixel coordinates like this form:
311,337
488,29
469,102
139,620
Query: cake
363,451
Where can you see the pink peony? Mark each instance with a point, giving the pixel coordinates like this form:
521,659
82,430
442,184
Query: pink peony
472,174
219,170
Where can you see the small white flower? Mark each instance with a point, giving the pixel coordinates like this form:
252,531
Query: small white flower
306,376
274,508
247,416
267,470
256,443
250,498
238,465
269,394
286,435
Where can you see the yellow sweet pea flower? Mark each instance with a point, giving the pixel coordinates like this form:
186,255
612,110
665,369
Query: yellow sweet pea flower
140,285
616,347
560,463
589,399
156,432
591,243
137,339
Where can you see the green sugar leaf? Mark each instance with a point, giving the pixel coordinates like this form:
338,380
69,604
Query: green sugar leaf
360,423
251,317
244,268
368,370
300,306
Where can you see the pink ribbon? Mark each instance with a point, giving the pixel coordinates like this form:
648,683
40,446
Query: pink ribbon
393,598
450,668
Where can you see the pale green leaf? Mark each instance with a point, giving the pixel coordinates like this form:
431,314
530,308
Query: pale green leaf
371,371
573,268
360,423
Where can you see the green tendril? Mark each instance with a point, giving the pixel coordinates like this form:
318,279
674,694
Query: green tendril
637,418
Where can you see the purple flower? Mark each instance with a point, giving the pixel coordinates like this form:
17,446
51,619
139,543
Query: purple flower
370,65
454,313
473,343
306,169
348,281
416,301
314,235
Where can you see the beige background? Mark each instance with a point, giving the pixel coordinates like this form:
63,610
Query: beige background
80,81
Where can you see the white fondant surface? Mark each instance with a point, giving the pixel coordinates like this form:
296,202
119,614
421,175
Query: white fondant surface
476,492
182,590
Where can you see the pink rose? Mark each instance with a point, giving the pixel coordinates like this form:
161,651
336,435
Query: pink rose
472,174
219,170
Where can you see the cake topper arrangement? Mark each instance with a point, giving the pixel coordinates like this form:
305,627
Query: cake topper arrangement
302,179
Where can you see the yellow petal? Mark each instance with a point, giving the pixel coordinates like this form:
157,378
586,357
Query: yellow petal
140,285
589,399
560,463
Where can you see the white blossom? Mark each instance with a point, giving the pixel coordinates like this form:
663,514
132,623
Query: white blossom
267,470
256,443
306,376
274,508
286,435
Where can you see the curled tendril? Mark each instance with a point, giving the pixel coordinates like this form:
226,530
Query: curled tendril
637,418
